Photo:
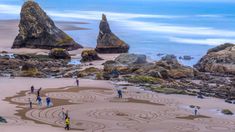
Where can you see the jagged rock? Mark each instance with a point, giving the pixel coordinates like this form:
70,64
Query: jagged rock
167,67
107,41
37,30
59,53
89,55
220,59
130,59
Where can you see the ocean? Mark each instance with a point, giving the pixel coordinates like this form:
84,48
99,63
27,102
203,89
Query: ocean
150,27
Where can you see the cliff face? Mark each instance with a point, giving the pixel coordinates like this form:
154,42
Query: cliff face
107,41
220,59
37,30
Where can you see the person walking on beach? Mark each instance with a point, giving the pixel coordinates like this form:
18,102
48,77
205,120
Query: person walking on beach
39,100
32,89
39,90
67,123
48,101
30,104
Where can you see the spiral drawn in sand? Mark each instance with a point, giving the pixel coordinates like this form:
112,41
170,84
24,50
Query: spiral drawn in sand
73,97
101,111
53,116
24,99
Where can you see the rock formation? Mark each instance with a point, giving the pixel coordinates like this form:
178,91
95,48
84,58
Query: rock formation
37,30
89,55
107,41
130,59
58,53
220,59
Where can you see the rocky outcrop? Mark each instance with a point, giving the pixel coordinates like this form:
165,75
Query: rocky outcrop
32,65
37,30
29,70
220,60
167,67
58,53
107,41
89,55
130,59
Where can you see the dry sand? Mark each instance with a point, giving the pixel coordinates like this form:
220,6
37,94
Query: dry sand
96,108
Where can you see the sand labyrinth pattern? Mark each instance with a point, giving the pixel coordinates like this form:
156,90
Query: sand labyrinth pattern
53,116
73,97
102,111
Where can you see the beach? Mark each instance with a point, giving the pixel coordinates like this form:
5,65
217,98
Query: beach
98,103
102,90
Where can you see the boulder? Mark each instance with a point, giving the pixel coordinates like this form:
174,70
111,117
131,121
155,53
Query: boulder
37,30
107,41
130,59
220,60
58,53
89,55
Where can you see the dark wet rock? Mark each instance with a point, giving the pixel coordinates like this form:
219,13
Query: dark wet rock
58,53
37,30
227,112
131,59
160,54
220,60
3,120
186,57
107,41
89,55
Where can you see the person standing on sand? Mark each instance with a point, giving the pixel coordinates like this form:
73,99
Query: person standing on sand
67,123
30,104
119,93
39,100
32,89
77,82
48,101
196,111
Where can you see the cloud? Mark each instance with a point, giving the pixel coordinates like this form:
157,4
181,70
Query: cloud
9,9
180,30
129,20
212,41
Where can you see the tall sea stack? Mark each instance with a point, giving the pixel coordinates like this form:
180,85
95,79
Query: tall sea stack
107,41
37,30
